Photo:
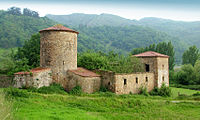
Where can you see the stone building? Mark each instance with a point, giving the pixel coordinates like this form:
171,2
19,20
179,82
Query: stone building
58,64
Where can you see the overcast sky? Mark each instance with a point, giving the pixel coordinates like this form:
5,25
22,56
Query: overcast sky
184,10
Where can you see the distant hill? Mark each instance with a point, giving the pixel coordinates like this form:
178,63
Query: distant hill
15,29
188,32
91,20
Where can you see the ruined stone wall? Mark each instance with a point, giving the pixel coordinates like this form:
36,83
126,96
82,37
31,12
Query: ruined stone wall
163,71
107,79
131,83
152,62
88,84
37,80
160,67
58,50
6,81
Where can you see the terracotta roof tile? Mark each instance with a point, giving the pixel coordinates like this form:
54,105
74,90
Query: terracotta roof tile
35,70
84,72
59,28
151,54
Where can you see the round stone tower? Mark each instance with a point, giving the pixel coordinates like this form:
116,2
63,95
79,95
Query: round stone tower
58,50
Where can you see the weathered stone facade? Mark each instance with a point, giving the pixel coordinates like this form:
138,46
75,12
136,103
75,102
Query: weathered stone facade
58,51
89,81
37,78
132,83
127,83
158,64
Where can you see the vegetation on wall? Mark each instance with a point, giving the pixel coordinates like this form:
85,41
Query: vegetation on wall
111,61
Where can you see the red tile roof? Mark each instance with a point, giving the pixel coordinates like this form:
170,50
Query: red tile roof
151,54
59,28
84,72
35,70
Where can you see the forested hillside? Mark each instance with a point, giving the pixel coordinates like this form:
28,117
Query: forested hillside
120,37
188,32
15,29
123,39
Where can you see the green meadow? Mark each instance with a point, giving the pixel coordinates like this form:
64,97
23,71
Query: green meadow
27,105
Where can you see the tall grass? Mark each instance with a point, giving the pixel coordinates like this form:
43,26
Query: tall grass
5,108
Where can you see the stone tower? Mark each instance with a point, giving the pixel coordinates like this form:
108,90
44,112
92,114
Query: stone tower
58,51
158,64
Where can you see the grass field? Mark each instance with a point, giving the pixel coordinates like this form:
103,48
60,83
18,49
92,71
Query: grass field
5,108
103,106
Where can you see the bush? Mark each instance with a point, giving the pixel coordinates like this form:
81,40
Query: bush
76,91
143,91
15,92
103,89
53,88
163,91
155,91
196,94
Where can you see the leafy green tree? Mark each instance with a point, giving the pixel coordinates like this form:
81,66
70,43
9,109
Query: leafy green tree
14,11
186,75
30,51
190,56
197,71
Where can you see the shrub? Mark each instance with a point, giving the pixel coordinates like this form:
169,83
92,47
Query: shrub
53,88
196,94
103,89
143,91
76,91
15,92
163,91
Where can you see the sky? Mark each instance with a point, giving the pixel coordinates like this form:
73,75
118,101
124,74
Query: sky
181,10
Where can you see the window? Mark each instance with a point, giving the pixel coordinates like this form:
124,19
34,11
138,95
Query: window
147,67
146,79
163,78
108,83
125,82
136,80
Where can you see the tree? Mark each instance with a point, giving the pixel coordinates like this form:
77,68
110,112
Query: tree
190,56
14,11
186,75
197,71
30,51
28,12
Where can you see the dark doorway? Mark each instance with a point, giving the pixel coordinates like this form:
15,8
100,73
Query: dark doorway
147,67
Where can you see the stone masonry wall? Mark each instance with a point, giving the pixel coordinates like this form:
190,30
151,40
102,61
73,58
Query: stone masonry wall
88,84
163,71
107,79
58,50
37,80
6,81
152,61
131,83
